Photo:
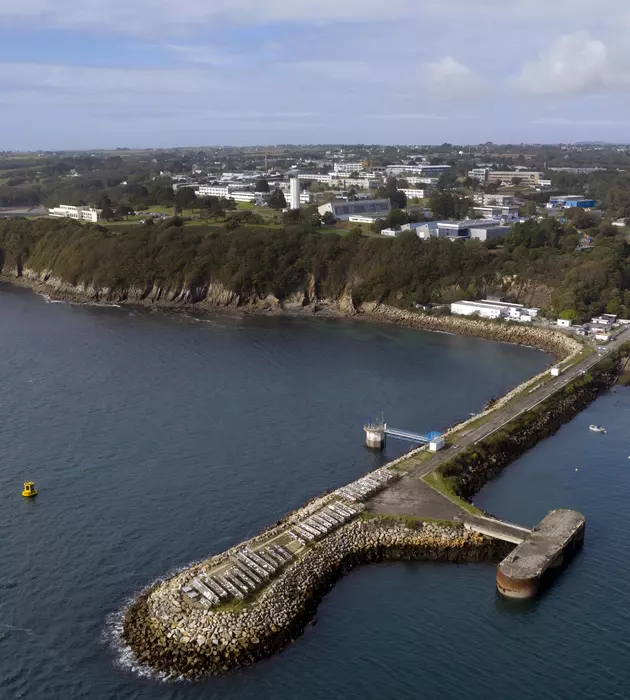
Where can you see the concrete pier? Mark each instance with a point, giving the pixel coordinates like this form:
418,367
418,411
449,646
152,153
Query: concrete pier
559,533
375,435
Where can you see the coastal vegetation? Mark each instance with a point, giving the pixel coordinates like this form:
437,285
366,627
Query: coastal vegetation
537,263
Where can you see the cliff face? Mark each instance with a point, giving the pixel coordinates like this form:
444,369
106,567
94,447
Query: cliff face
216,296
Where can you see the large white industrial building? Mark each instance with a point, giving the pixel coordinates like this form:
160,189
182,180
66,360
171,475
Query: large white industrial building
66,211
488,308
477,229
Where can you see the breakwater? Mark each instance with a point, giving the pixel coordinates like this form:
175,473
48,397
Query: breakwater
470,470
166,632
249,602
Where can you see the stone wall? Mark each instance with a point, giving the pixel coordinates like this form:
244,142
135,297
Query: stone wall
171,636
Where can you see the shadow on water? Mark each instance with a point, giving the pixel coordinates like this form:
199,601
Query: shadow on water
550,581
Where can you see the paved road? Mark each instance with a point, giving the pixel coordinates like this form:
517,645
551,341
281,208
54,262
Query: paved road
412,496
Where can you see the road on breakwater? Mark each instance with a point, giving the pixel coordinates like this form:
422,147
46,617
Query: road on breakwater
413,496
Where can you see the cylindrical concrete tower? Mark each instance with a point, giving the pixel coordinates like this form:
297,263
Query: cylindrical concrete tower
294,194
375,435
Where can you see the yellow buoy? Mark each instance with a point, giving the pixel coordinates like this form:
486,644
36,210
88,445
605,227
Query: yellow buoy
29,489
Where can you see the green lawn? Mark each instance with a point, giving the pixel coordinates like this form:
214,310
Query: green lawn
436,480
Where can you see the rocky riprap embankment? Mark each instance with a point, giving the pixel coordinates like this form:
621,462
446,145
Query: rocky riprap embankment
171,636
555,342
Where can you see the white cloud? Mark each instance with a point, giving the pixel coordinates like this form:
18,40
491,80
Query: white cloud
575,63
449,79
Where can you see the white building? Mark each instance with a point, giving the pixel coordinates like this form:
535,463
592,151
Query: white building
509,213
493,200
470,308
294,192
343,210
317,177
415,194
363,183
348,167
564,323
362,219
65,211
424,170
213,191
507,177
245,196
488,308
478,174
420,180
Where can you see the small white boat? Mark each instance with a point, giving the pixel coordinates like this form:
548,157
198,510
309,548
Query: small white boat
597,428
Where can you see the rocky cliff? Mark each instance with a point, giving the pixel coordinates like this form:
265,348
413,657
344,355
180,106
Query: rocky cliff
214,296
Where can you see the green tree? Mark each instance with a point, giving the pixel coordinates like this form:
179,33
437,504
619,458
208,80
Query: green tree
185,198
528,208
105,205
277,199
122,210
328,218
570,315
262,185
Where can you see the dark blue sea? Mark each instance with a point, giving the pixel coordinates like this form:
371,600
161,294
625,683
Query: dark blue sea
157,439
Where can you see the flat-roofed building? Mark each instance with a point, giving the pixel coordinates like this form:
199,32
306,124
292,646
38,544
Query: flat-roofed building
509,213
569,201
478,174
423,170
66,211
213,191
422,180
488,308
492,200
343,210
415,194
524,177
477,229
348,167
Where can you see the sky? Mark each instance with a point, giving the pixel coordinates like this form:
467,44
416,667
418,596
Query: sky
81,74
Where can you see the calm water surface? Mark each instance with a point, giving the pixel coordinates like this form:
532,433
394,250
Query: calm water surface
157,440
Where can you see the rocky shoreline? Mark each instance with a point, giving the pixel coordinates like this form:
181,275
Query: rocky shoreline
215,298
168,634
